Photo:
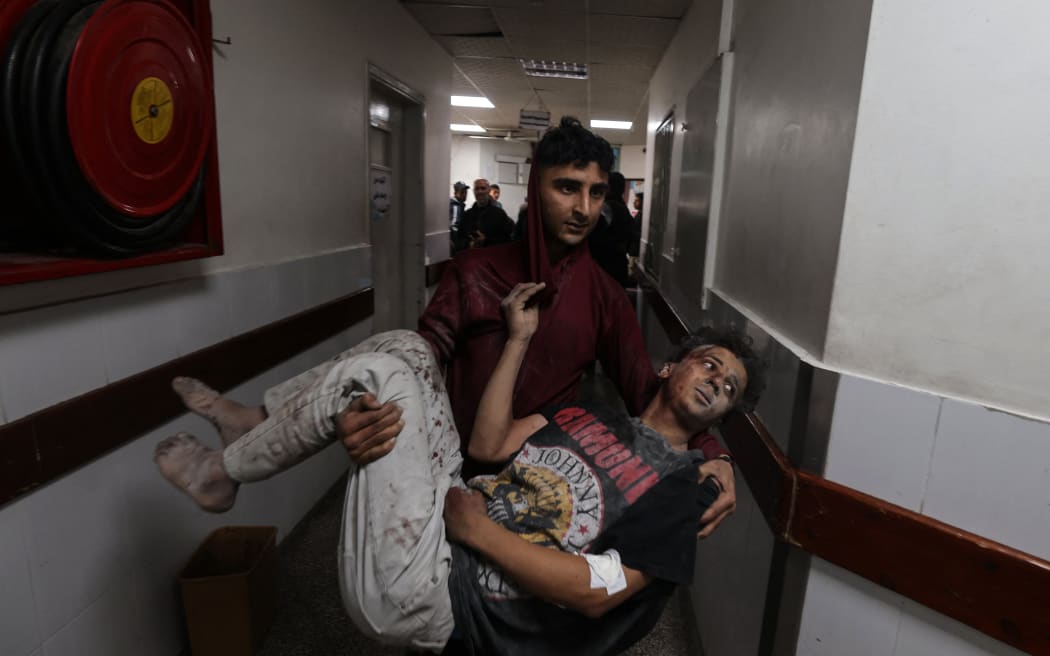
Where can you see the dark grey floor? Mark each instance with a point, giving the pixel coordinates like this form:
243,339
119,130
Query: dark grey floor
310,616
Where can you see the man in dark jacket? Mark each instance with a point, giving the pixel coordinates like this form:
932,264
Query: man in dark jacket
611,237
484,224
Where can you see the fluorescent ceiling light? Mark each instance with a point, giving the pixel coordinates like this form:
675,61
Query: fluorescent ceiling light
466,127
612,125
472,101
541,68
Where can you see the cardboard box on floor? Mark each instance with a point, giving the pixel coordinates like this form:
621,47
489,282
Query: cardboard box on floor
229,590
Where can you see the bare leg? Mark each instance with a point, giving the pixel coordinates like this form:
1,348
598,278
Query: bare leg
230,418
196,470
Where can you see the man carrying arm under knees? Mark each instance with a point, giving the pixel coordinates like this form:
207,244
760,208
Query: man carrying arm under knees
571,549
586,316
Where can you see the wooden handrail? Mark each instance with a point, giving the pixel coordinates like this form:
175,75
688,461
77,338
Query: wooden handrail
998,590
47,444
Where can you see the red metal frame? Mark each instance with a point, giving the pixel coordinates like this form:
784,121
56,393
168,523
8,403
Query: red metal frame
203,237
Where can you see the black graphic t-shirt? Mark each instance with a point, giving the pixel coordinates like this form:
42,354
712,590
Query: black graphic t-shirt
589,481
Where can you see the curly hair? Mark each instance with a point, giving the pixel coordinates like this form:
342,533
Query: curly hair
571,143
739,345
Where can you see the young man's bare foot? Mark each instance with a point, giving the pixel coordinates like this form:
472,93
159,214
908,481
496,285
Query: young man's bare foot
196,470
231,418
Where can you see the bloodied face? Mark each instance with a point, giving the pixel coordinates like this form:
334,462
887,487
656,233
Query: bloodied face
571,200
704,385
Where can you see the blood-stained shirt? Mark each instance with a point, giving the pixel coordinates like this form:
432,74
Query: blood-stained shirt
589,481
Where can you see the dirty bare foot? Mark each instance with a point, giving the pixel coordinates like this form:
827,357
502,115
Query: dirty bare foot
230,418
196,470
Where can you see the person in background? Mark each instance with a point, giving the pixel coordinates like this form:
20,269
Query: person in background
457,205
612,235
494,192
636,226
484,224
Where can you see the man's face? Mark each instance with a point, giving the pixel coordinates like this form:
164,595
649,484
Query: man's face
705,385
638,203
461,194
571,201
494,192
481,192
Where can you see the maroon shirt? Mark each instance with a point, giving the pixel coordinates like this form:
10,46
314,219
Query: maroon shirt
588,318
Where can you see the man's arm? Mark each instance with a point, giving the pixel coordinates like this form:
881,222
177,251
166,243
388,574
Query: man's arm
554,576
496,436
369,429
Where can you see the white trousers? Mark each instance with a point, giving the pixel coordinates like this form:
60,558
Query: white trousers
394,558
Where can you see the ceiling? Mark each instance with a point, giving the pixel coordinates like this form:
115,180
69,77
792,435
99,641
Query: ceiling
621,41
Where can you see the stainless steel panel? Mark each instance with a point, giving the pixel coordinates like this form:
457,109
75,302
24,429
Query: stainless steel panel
685,287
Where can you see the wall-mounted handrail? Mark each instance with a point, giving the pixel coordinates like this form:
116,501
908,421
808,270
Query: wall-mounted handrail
998,590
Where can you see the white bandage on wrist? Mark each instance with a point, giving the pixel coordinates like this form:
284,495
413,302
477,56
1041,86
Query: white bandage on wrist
606,571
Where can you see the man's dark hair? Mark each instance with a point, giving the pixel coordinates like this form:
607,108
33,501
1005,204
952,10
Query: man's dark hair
641,194
617,185
739,345
493,186
571,143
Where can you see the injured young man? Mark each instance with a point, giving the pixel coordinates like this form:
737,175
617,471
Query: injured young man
573,548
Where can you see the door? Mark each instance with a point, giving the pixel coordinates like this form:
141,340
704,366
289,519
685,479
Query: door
660,194
694,195
395,201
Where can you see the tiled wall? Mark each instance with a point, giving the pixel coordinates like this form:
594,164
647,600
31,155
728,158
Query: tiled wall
89,562
984,471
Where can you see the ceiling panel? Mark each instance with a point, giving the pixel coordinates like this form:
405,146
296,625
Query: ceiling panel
649,8
622,55
602,74
440,20
493,73
475,46
626,31
536,6
563,51
523,25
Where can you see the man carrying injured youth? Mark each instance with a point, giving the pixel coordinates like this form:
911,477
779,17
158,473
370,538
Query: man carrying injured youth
573,548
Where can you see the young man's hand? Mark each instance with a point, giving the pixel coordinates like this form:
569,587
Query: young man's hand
725,504
463,509
368,428
523,318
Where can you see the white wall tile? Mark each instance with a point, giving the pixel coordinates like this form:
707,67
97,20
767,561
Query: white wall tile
139,330
108,626
991,476
881,439
203,316
77,535
50,355
846,614
19,628
926,633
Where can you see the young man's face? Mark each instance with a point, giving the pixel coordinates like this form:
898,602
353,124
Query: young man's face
494,192
638,203
571,201
705,385
461,194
